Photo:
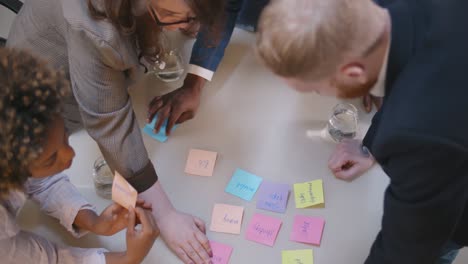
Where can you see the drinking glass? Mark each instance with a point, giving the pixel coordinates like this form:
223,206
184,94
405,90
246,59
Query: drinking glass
168,66
343,123
102,178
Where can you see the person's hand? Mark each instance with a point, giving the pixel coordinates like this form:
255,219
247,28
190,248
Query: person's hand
114,219
179,105
185,236
350,160
369,100
140,241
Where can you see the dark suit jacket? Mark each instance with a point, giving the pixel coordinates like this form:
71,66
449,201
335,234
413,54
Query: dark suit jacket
420,136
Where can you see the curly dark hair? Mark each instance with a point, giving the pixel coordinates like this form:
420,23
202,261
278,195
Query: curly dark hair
30,98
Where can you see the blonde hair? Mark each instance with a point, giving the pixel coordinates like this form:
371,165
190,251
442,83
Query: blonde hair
309,39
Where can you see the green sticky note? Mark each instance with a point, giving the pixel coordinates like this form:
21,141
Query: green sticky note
309,194
305,256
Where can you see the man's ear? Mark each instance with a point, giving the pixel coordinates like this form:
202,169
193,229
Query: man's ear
354,73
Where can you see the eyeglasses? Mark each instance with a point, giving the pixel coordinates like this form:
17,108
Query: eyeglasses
162,24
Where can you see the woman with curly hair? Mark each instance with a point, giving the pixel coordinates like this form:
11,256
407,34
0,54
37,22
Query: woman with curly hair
101,45
34,151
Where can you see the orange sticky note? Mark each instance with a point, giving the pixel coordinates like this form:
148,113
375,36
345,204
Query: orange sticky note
227,218
201,162
123,193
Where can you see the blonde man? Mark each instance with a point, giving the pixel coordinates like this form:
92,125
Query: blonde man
414,53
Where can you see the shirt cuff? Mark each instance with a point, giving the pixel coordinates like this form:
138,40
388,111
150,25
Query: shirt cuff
200,71
144,179
73,212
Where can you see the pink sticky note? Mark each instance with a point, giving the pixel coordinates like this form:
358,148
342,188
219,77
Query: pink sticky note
307,229
123,193
221,253
226,218
201,162
263,229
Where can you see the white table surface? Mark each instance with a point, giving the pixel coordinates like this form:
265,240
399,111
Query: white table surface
255,123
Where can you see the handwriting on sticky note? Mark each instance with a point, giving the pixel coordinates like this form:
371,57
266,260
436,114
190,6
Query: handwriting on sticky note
307,229
226,218
221,253
201,162
263,229
243,184
273,197
122,192
305,256
308,193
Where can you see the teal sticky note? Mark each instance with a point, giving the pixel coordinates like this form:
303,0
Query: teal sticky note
243,184
161,136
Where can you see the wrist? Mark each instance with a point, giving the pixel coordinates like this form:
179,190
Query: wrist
128,258
117,258
194,82
156,195
87,220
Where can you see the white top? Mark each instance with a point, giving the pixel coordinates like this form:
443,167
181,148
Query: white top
58,198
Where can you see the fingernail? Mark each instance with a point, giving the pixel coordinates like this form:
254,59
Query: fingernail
210,253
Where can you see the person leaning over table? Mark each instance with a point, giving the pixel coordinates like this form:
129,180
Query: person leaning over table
34,153
182,104
413,51
99,44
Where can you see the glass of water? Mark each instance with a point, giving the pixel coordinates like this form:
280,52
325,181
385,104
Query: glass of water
103,178
168,66
343,122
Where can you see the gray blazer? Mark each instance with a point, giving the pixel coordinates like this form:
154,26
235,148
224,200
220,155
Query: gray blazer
101,63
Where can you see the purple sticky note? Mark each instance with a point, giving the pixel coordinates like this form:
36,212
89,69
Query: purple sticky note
273,197
221,253
263,229
307,229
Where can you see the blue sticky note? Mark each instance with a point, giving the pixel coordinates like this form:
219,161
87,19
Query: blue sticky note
243,184
273,197
161,136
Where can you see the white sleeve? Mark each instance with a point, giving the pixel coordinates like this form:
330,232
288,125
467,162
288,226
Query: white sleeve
17,246
59,198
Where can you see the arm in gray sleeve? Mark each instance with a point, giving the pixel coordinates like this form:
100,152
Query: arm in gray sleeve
98,79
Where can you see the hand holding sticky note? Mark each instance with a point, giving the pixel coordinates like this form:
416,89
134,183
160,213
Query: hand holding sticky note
123,193
201,162
307,230
226,218
161,135
243,184
305,256
263,229
309,194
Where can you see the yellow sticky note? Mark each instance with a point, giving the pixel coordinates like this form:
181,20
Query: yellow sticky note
309,194
123,193
305,256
